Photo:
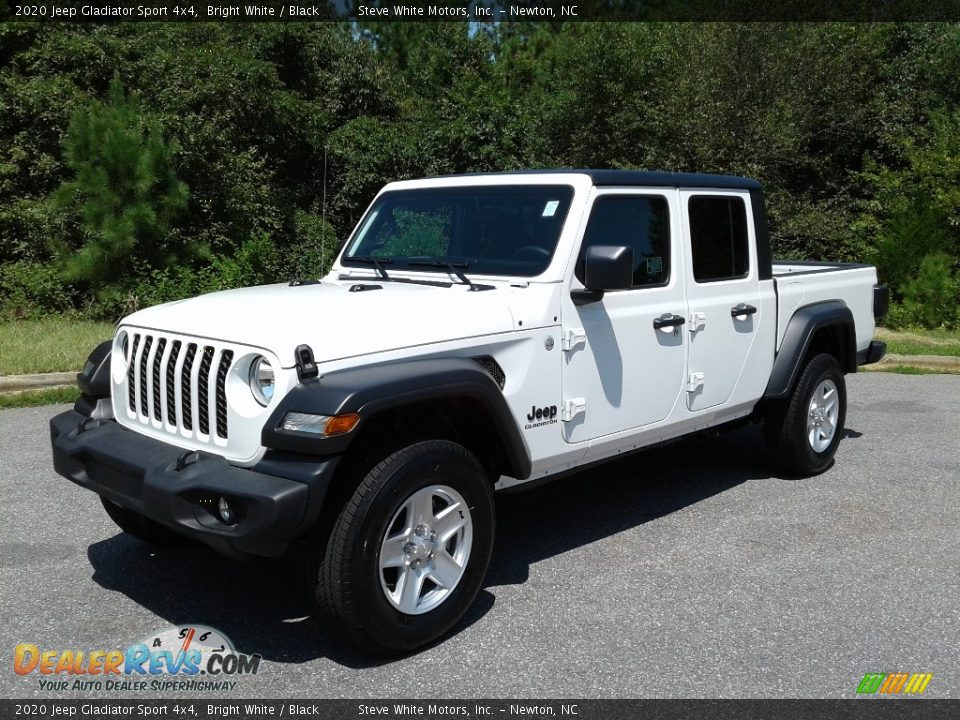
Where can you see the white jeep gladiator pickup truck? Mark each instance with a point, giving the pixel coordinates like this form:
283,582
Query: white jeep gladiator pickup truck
477,333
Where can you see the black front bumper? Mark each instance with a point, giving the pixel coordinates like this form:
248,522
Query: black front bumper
276,501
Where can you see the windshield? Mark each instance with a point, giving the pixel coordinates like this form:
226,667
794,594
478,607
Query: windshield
502,230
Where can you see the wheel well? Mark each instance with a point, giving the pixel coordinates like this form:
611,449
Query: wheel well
460,420
835,339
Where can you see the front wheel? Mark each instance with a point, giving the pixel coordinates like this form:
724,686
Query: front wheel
410,550
803,432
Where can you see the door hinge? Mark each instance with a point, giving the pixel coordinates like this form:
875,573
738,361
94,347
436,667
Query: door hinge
694,382
698,321
572,408
572,338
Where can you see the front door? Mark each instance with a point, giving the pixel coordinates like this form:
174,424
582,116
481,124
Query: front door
620,371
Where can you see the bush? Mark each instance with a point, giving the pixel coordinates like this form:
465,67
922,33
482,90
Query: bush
32,289
930,300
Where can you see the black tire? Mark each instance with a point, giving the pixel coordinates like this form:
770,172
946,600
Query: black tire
346,580
142,528
786,423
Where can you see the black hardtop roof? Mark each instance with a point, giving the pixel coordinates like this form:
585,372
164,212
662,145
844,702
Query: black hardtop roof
643,178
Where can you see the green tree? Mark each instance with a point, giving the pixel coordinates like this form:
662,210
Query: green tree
124,188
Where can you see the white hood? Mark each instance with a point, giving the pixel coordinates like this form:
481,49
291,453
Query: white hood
333,321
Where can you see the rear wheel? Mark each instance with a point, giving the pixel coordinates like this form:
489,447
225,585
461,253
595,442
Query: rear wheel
803,431
142,528
409,551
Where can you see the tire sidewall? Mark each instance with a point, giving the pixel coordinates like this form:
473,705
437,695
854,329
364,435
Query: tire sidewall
822,367
435,464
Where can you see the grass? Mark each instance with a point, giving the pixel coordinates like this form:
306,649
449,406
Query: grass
49,344
30,398
921,342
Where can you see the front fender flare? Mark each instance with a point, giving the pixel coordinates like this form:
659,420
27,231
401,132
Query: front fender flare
370,390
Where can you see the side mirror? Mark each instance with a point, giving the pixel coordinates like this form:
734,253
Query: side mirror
608,267
605,267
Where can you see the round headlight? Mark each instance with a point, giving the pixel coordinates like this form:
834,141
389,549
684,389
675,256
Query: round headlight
261,380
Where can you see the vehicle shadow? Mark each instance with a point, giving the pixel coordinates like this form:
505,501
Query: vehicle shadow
262,607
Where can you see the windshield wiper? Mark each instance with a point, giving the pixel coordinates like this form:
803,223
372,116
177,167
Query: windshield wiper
377,263
453,267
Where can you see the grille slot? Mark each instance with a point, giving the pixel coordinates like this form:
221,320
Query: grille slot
157,360
132,374
147,343
186,390
171,383
203,391
225,360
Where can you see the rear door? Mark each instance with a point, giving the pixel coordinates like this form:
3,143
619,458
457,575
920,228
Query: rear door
723,293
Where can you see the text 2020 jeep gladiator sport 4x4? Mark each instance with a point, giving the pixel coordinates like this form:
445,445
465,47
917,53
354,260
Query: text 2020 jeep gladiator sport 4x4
477,333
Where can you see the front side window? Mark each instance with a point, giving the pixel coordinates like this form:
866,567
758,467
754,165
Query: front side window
641,222
504,230
718,238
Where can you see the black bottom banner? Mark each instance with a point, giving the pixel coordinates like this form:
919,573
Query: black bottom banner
868,709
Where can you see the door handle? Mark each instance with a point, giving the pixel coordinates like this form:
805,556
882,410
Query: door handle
668,320
742,309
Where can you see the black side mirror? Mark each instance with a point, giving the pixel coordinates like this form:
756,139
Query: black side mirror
605,267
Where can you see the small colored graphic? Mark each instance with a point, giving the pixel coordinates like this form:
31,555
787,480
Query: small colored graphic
895,683
183,652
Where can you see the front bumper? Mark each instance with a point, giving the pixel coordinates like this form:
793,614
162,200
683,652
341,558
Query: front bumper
276,501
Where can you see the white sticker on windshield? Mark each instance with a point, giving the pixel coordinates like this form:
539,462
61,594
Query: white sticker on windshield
550,208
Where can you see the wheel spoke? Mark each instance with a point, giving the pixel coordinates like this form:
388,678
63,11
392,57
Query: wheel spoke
445,571
410,585
448,522
391,552
422,506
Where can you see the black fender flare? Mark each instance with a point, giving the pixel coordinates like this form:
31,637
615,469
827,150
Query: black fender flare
801,328
94,379
370,390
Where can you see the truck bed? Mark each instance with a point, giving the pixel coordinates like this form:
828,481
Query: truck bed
802,282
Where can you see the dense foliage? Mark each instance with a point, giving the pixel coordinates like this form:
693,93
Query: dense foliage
228,154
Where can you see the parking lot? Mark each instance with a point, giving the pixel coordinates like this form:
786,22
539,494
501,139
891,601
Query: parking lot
688,571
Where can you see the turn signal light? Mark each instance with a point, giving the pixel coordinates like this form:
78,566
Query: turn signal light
320,424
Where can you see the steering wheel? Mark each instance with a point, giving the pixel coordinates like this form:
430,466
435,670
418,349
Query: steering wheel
528,249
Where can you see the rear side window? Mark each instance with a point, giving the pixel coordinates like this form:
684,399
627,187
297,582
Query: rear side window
639,222
718,238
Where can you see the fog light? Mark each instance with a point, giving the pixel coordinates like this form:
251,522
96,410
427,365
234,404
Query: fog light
226,512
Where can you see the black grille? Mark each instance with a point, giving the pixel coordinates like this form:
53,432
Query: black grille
186,390
493,367
225,361
171,383
157,361
203,391
147,343
132,374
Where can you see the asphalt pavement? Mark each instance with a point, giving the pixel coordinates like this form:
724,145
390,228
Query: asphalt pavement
688,571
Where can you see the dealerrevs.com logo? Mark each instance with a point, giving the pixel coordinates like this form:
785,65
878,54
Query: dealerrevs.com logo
183,658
